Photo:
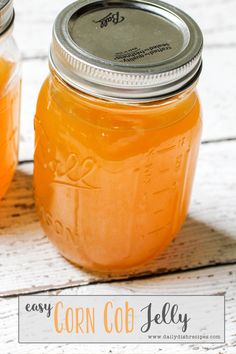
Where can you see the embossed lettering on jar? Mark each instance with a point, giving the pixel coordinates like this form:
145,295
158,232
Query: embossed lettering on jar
118,126
9,96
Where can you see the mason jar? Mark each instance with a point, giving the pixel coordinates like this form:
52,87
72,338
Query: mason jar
10,88
118,127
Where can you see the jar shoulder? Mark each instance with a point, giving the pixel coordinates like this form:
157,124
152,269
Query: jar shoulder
10,65
9,50
65,102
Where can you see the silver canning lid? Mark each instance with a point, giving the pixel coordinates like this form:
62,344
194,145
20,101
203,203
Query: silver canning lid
6,15
125,49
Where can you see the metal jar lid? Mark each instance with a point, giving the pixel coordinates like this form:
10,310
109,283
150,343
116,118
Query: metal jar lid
6,15
126,49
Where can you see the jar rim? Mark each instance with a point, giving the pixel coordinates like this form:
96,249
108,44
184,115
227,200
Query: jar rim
123,104
7,16
159,73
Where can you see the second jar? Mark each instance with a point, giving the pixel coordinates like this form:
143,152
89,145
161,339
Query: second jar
10,89
118,127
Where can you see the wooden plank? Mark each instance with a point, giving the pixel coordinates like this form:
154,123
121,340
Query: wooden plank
215,280
30,263
34,73
37,17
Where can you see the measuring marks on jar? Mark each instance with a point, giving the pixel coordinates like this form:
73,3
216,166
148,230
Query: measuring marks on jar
162,180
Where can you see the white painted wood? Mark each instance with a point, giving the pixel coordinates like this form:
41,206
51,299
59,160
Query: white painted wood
34,72
213,280
28,262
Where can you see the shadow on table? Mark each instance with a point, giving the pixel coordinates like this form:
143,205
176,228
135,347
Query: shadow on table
197,245
17,207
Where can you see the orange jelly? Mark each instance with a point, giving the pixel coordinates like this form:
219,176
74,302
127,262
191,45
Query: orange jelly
113,175
9,100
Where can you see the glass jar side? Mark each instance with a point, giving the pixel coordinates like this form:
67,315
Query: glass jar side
10,92
113,181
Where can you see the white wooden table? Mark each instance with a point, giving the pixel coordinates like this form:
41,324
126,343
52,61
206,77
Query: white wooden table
202,260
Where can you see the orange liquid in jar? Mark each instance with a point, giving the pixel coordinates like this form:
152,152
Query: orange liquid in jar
9,123
113,181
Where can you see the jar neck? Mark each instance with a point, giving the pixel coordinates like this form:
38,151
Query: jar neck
6,35
121,105
10,63
109,114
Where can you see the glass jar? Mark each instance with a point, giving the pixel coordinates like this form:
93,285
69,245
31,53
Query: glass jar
10,83
117,132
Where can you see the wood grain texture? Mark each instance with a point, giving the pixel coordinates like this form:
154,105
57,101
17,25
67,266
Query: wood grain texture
30,263
216,280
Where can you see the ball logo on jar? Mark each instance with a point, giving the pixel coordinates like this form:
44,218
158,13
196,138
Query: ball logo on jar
114,18
72,170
